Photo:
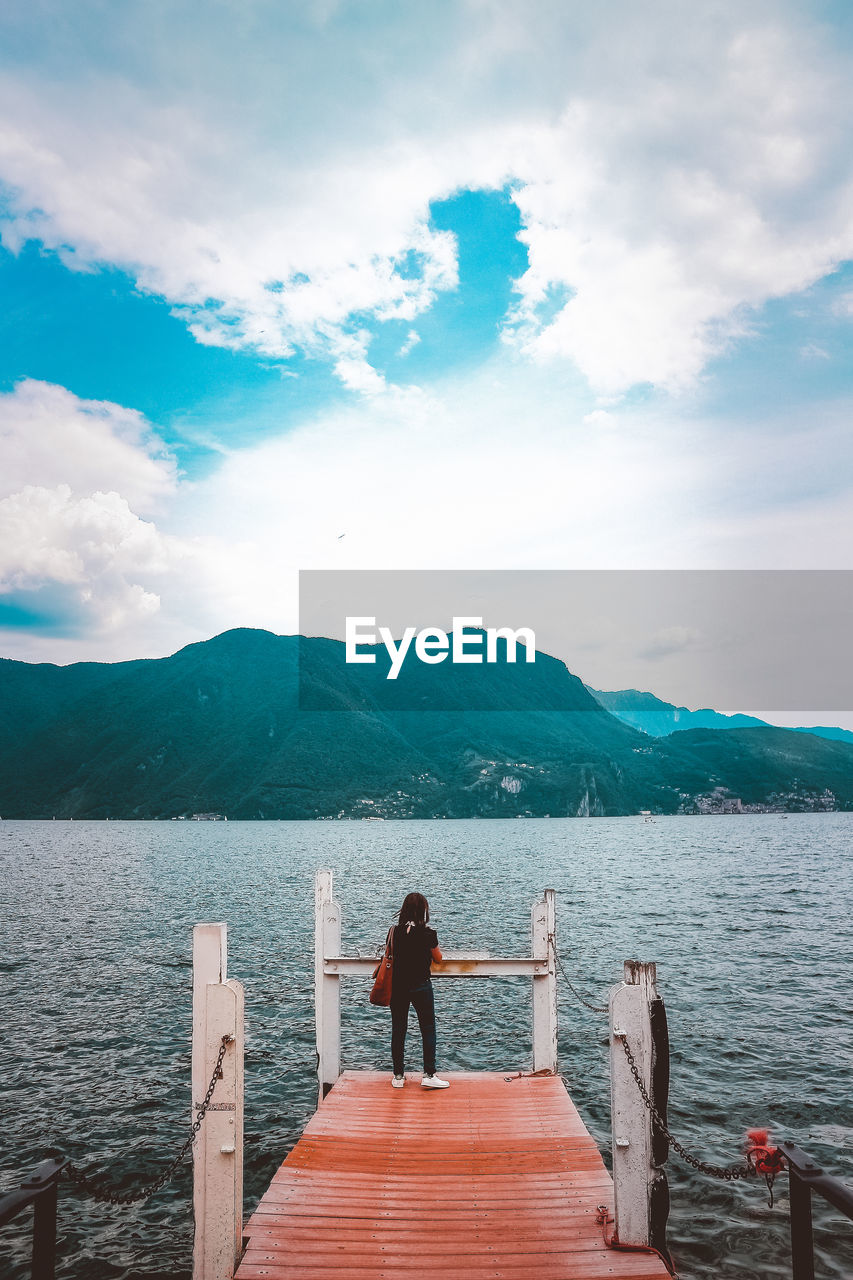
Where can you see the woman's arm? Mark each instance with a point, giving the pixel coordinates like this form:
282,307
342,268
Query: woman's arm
436,953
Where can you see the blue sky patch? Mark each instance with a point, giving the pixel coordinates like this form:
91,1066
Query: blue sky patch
95,333
798,353
462,326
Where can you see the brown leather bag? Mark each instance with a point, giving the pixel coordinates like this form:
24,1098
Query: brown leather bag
381,990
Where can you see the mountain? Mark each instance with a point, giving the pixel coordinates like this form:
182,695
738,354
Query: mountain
831,732
780,768
253,725
653,716
32,694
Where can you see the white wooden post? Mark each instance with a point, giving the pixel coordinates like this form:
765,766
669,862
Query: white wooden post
327,986
543,923
218,1010
631,1123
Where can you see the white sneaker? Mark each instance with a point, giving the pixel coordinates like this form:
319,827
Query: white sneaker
433,1082
397,1082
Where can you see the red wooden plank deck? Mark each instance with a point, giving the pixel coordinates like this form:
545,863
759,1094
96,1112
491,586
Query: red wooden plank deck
488,1180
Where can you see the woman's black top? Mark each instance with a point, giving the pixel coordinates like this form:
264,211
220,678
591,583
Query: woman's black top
412,957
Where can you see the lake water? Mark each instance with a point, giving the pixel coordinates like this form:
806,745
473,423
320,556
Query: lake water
747,917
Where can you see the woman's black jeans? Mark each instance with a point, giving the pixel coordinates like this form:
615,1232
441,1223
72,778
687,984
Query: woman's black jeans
422,998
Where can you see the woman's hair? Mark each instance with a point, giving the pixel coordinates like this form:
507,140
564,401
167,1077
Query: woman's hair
415,908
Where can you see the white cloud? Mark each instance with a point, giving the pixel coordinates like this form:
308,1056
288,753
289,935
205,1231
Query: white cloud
412,340
49,437
813,351
95,545
65,530
268,169
440,481
353,367
270,173
258,243
722,186
470,477
844,304
598,418
473,477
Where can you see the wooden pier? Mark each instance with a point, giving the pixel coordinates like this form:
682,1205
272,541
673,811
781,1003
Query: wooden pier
495,1178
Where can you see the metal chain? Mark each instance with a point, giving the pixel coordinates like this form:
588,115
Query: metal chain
99,1192
596,1008
714,1171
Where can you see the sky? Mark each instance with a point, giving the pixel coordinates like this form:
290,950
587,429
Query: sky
466,284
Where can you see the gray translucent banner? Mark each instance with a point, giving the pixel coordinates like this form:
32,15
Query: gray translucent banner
774,641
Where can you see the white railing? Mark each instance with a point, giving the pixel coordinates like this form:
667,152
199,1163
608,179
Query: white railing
218,1011
330,966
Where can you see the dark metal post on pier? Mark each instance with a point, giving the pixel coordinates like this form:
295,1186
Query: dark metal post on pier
802,1236
44,1232
39,1190
805,1177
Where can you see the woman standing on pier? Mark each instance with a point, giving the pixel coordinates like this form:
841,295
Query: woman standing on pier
415,947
